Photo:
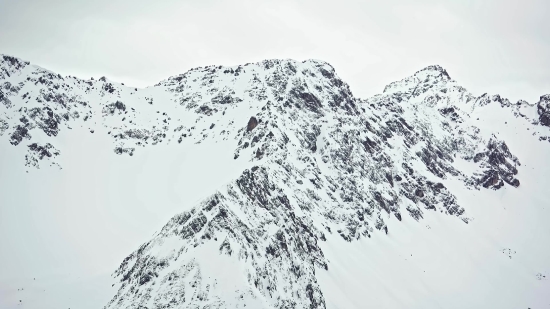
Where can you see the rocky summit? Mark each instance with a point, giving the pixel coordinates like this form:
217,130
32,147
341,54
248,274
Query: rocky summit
321,169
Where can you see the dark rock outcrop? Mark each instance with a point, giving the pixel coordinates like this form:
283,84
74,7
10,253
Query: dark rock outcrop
252,123
543,109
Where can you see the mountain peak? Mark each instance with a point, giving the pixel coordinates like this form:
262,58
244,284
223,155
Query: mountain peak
434,70
424,78
286,66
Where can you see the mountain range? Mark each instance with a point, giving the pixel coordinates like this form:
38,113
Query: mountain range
280,189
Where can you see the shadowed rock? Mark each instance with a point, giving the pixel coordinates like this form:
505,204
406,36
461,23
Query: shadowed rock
252,123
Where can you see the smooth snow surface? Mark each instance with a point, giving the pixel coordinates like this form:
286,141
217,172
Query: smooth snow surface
424,196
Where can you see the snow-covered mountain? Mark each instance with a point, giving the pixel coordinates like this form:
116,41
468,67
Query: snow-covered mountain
312,198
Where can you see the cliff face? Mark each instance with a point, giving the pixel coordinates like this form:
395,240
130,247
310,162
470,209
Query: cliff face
320,165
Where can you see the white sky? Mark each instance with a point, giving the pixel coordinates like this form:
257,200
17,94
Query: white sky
488,46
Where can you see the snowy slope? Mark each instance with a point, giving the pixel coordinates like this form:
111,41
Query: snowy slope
295,194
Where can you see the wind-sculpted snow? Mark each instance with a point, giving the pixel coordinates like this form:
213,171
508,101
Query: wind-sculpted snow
325,163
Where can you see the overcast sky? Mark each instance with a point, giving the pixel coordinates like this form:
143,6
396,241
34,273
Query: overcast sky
495,46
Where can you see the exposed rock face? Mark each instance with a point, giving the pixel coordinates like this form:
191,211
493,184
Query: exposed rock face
38,153
252,123
500,165
543,109
325,162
